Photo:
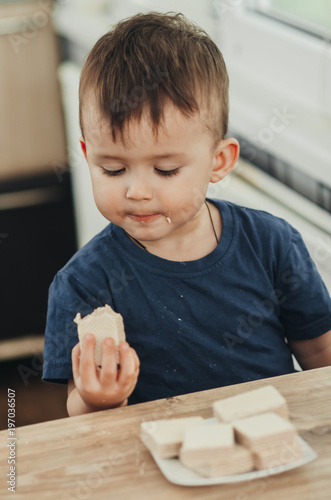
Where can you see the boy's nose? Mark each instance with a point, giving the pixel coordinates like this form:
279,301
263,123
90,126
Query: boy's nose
139,189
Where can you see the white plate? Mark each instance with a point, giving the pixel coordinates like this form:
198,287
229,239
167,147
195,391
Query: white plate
177,473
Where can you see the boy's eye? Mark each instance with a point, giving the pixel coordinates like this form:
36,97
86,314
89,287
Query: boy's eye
167,173
163,173
112,173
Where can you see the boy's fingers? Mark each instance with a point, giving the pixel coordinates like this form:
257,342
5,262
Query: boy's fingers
128,363
108,372
75,357
136,359
88,368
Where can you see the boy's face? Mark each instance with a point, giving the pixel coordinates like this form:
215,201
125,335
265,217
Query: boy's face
154,187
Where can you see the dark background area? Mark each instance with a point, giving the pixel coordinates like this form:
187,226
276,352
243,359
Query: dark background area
35,401
38,241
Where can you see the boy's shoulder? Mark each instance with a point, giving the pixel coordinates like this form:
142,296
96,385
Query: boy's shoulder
251,218
265,232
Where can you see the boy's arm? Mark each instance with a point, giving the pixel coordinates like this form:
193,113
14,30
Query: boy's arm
312,353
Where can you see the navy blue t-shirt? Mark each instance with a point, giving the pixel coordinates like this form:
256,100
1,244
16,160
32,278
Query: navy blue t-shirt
195,325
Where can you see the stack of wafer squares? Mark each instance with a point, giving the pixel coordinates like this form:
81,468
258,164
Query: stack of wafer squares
251,431
164,437
211,450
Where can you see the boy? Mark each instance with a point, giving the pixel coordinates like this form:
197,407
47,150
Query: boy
211,293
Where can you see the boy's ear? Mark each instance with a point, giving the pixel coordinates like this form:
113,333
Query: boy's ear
83,145
225,157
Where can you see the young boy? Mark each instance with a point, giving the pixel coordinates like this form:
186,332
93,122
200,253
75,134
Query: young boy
211,293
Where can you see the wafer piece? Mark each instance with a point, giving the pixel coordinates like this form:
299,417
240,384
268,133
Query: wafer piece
164,437
285,452
211,451
241,460
262,400
272,440
202,442
263,431
103,322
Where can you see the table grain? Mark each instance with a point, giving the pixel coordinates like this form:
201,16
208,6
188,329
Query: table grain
101,456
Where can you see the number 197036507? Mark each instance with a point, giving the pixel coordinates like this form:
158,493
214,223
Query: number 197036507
11,408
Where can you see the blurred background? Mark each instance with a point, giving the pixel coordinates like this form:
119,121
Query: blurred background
278,55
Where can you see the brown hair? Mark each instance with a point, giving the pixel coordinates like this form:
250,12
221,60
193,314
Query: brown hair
150,59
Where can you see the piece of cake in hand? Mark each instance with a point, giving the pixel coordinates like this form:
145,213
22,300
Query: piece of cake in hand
103,322
211,451
272,439
262,400
164,437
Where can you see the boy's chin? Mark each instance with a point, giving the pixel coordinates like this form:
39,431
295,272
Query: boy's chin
149,236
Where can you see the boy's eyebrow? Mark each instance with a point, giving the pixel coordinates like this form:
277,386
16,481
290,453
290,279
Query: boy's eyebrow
152,157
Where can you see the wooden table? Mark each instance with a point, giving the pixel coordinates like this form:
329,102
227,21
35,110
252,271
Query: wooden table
100,455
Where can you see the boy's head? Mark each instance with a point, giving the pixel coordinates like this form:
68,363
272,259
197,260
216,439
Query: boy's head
149,61
153,113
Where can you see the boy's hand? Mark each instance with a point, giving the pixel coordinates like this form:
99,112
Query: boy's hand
107,387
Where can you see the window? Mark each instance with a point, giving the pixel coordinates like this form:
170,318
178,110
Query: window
313,17
278,55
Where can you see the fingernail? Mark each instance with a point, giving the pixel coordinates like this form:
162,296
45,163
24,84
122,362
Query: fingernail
125,346
109,341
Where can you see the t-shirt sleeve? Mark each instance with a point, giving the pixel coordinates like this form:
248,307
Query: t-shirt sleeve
67,297
305,303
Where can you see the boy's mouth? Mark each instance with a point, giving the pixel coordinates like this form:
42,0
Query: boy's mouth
143,217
